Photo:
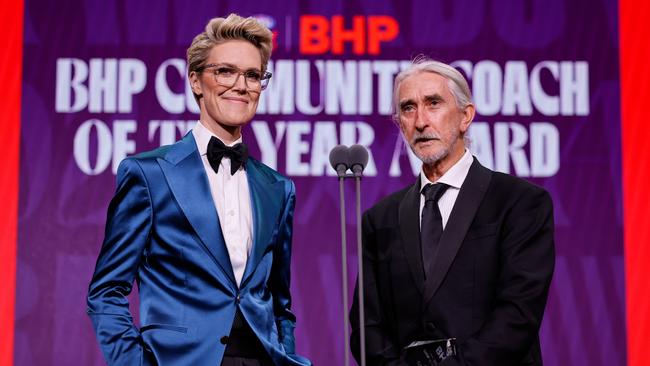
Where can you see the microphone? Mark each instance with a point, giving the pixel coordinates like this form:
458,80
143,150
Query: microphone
358,158
339,159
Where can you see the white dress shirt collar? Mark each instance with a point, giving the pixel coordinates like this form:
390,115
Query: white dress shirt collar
231,196
202,136
455,176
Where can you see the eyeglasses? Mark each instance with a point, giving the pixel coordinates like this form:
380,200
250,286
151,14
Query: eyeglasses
228,76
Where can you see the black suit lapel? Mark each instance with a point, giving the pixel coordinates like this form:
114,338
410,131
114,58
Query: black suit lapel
469,199
409,224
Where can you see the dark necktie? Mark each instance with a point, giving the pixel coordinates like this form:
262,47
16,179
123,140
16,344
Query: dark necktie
217,150
431,225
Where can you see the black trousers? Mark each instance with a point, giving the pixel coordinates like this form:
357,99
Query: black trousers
240,361
243,348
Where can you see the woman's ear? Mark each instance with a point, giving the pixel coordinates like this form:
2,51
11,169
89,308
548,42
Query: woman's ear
195,83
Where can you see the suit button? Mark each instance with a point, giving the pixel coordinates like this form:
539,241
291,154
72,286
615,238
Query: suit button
224,340
430,327
237,299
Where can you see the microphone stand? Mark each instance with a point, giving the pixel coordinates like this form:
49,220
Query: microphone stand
344,260
355,158
362,328
358,159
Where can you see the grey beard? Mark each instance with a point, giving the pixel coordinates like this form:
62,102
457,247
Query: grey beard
434,158
427,159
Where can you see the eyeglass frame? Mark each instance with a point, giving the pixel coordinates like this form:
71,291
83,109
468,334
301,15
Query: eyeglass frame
265,75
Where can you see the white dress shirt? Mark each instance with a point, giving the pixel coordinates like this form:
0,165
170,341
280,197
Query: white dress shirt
454,177
231,198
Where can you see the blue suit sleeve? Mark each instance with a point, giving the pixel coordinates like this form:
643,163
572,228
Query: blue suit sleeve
128,226
280,277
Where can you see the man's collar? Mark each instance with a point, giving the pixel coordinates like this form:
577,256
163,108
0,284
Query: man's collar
455,176
202,136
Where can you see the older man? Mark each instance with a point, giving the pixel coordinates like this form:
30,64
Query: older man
463,258
204,230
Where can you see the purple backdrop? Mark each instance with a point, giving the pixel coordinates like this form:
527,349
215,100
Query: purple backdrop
104,79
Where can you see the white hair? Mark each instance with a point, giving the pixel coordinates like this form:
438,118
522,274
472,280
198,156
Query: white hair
455,81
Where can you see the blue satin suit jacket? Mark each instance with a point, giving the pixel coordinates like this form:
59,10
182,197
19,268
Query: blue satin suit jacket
163,231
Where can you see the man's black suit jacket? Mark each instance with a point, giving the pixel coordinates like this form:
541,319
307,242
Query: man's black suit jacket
487,287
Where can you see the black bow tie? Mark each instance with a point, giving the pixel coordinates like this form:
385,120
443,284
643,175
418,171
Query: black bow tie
237,154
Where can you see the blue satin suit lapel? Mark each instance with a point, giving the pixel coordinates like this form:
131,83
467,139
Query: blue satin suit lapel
266,202
188,182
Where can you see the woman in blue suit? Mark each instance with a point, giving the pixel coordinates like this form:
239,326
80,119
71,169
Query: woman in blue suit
203,229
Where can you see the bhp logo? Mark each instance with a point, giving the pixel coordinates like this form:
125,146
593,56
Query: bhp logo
319,35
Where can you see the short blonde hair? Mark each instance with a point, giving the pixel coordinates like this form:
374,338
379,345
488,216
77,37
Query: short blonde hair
220,30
